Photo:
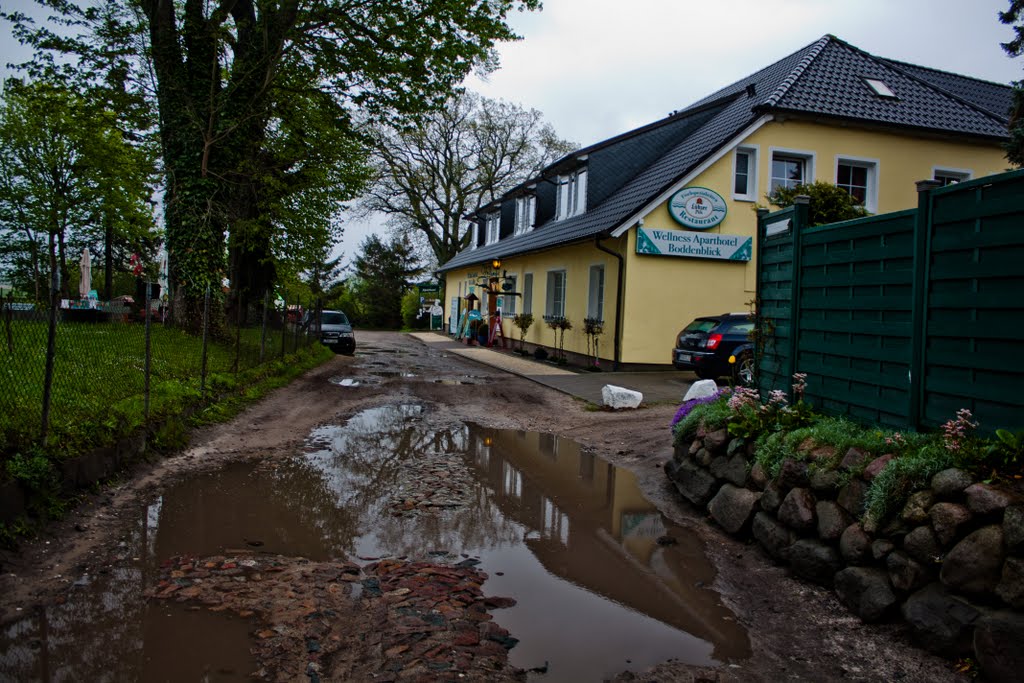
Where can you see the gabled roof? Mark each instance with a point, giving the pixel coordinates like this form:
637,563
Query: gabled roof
824,80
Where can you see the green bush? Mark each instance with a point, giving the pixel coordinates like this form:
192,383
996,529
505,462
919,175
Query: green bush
709,416
829,203
782,432
901,477
838,433
410,308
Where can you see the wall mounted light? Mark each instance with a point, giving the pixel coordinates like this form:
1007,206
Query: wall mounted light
496,263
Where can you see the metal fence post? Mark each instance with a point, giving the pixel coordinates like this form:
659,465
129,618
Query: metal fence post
284,322
919,299
239,302
149,297
51,353
206,334
263,331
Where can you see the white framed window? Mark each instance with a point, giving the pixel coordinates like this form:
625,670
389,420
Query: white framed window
950,176
528,293
509,301
595,297
526,212
556,294
493,227
572,194
790,168
859,177
744,174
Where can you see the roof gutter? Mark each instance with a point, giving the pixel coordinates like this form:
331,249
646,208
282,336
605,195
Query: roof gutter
619,300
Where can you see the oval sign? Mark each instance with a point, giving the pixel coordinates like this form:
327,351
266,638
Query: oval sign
697,207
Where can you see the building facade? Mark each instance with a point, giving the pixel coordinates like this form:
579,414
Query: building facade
652,228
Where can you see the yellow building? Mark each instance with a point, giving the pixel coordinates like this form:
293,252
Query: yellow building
652,228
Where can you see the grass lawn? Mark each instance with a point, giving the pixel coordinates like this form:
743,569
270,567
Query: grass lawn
99,377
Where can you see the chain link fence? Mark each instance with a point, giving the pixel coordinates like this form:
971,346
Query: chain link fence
71,373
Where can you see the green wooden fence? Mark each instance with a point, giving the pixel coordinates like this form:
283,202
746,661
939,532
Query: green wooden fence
904,318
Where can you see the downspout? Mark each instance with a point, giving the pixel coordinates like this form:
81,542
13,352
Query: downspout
617,340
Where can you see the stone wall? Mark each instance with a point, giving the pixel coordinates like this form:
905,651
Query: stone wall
950,563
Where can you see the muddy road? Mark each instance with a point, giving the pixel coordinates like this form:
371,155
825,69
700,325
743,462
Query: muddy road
405,514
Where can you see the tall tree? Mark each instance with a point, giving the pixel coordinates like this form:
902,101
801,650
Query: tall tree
1014,16
454,161
384,272
65,171
249,92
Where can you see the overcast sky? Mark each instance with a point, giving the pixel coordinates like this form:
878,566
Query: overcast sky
597,68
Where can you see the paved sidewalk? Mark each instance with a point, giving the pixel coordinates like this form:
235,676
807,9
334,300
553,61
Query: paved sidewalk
656,386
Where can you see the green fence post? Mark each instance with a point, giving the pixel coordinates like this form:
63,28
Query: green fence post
759,326
919,299
801,209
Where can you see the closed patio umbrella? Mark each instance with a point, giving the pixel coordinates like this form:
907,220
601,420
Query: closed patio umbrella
85,265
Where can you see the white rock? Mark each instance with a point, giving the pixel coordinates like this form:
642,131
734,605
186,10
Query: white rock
702,388
620,397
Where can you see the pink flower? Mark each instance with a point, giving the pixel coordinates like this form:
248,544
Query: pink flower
799,385
744,396
956,431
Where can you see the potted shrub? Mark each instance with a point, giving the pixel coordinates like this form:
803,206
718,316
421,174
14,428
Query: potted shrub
523,321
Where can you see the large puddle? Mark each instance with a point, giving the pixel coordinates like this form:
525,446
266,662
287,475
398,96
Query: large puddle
603,582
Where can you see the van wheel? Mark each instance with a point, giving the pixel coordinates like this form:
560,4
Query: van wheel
743,370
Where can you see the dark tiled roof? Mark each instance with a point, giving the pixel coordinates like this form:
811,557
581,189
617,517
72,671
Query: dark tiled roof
833,85
995,98
823,80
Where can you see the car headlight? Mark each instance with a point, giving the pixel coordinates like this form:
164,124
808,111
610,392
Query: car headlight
346,335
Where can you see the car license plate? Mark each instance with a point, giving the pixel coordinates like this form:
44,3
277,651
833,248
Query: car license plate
684,358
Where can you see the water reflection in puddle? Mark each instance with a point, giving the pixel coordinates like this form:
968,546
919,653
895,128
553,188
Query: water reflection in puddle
566,534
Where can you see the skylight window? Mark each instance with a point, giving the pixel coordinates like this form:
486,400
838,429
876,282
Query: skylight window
880,88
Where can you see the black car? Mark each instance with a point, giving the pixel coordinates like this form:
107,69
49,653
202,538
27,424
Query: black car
706,344
334,330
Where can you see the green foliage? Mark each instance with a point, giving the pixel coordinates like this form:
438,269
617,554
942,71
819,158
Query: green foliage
410,308
170,436
1014,16
754,421
838,433
708,417
902,476
69,180
829,203
523,322
1006,451
385,272
257,103
38,475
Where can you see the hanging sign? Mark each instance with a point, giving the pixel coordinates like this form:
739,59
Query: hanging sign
697,207
694,244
